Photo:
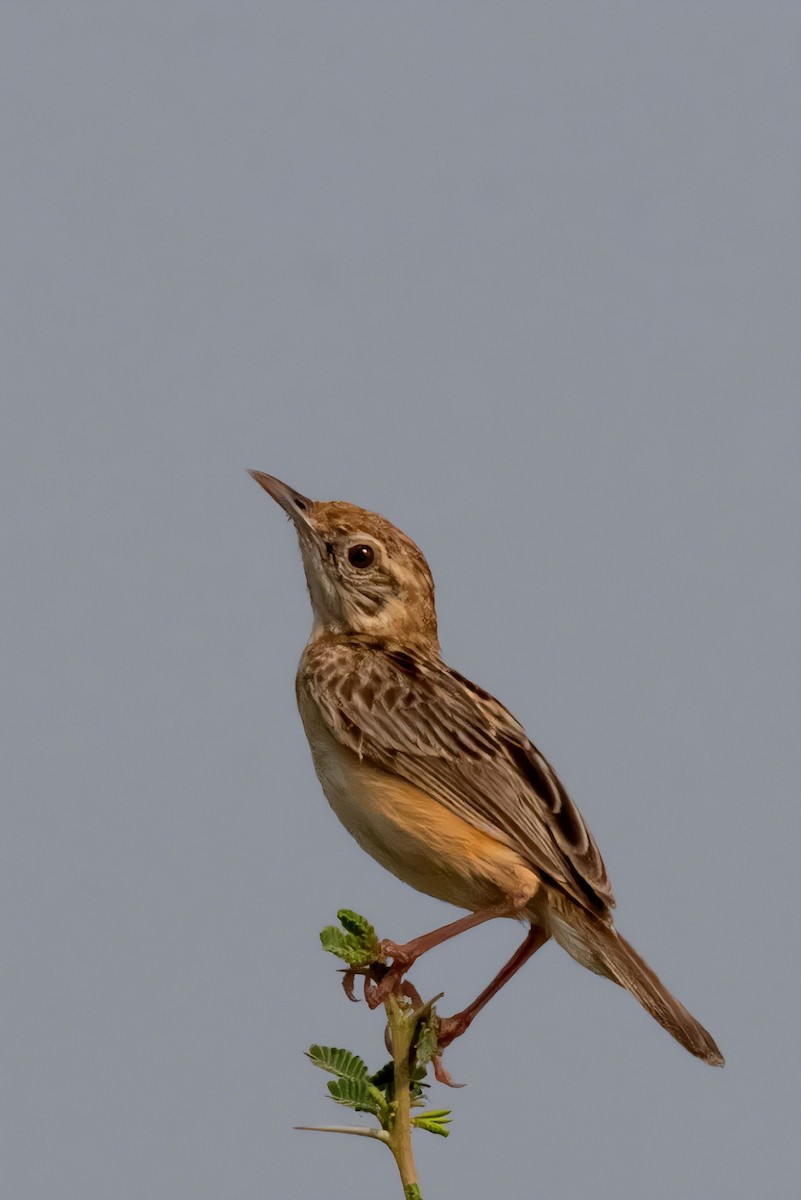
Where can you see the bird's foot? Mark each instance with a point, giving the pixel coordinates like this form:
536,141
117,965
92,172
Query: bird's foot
381,979
450,1028
384,979
402,957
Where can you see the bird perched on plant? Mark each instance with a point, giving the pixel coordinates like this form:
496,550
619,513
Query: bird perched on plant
434,777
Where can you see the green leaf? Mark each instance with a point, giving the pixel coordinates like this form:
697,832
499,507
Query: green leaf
434,1121
358,926
355,943
338,1062
356,1093
332,939
345,946
427,1046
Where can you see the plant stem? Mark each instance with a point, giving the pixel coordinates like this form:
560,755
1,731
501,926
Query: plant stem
402,1029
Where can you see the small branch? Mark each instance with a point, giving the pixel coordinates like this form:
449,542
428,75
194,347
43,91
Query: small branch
402,1027
412,1037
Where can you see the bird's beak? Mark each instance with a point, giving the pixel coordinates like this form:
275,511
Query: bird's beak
296,506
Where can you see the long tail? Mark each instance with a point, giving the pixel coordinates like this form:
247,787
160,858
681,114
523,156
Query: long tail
600,947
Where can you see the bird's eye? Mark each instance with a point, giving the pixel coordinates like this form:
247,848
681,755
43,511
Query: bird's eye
361,556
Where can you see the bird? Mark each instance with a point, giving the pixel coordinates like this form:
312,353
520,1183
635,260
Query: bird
434,777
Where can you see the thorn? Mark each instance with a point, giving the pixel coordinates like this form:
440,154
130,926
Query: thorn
379,1134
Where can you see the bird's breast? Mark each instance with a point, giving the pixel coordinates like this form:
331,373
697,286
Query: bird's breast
409,832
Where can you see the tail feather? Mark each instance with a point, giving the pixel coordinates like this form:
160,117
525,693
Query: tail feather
600,947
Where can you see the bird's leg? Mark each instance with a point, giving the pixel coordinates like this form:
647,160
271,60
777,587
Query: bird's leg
387,978
453,1027
409,952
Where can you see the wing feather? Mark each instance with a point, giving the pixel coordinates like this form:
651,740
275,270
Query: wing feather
443,734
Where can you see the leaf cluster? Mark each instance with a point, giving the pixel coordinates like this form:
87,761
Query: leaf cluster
356,942
353,1085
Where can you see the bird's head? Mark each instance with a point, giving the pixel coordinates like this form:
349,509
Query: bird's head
364,575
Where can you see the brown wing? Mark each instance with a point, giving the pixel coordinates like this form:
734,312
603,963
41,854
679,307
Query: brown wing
428,724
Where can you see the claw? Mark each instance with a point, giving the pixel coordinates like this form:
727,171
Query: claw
442,1075
380,981
348,982
372,992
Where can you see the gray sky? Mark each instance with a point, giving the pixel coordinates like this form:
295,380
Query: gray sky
524,278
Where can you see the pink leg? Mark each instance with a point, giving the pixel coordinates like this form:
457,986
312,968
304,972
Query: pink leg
381,980
409,952
455,1026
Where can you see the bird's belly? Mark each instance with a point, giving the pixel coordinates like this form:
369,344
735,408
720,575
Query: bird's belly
414,836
